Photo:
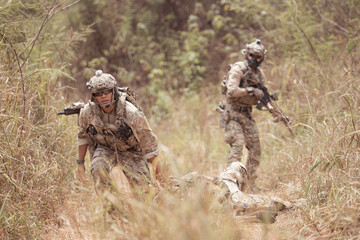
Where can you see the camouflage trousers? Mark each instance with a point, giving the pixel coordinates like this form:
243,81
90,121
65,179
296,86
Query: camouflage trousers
241,130
260,206
133,165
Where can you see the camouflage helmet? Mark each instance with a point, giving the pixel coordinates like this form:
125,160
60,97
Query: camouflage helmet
255,48
236,172
101,81
240,169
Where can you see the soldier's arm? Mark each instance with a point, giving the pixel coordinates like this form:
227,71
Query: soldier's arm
142,131
149,145
148,140
233,84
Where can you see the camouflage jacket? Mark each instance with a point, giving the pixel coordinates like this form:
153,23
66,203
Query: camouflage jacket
240,77
124,128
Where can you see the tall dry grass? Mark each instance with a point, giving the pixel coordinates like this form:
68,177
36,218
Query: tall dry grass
320,166
35,165
318,170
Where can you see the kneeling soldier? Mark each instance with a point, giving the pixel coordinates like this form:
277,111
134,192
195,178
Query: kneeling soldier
116,133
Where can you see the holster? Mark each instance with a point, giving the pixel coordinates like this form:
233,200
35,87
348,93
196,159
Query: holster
224,114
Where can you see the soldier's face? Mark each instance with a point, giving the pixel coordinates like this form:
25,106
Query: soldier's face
257,57
105,98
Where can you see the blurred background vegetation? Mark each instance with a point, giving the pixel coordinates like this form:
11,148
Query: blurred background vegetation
173,54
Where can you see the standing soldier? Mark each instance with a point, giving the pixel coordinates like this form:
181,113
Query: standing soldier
116,133
242,88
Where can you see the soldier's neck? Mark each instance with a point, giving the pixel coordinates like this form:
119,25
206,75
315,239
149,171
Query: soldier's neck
109,109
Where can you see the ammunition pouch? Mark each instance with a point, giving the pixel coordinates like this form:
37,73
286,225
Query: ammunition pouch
91,130
224,114
243,109
124,132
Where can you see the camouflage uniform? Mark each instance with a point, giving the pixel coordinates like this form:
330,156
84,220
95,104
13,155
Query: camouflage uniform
228,185
122,137
234,177
240,127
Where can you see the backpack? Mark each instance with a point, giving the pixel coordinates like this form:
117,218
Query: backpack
130,96
225,79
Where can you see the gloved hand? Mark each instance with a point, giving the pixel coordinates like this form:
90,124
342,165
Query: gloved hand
258,93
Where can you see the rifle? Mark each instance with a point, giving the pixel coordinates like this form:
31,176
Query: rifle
75,109
274,109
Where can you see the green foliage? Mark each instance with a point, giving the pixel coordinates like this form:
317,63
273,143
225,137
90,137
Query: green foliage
165,47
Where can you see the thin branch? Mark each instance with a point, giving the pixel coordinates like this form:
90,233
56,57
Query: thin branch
44,5
68,6
45,21
50,14
332,22
304,34
308,41
21,74
345,79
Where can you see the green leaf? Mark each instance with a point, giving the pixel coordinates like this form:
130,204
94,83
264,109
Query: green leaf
351,45
313,167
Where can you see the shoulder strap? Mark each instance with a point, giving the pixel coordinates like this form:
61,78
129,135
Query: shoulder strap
121,108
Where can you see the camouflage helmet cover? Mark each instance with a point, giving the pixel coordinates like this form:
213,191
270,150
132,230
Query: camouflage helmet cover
255,48
236,171
101,81
239,168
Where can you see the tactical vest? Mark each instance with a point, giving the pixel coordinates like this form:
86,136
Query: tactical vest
249,79
118,136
